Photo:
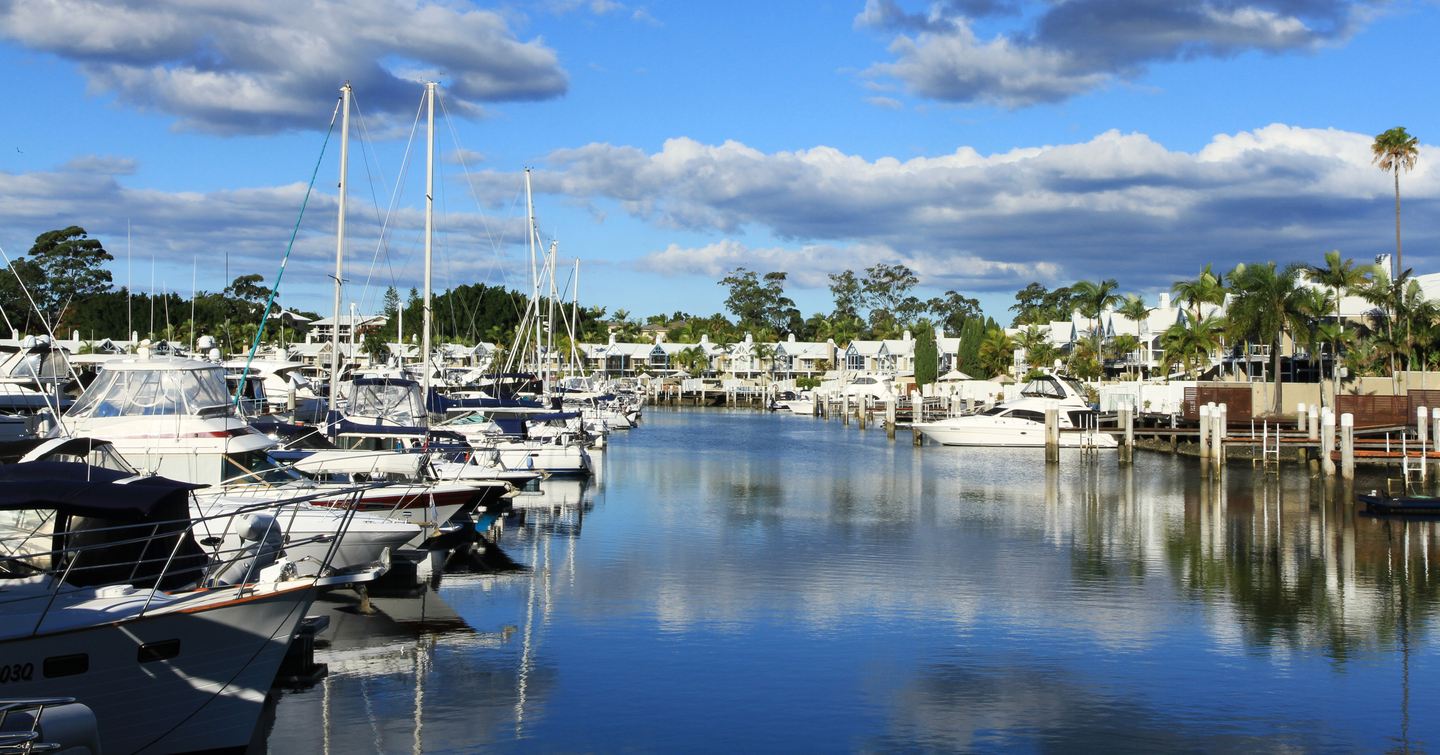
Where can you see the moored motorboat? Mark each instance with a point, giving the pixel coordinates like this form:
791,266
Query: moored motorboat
1020,422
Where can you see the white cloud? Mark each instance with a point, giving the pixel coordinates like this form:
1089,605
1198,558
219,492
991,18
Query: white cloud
262,66
1118,205
1056,50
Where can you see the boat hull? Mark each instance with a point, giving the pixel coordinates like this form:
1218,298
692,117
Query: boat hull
208,696
1004,433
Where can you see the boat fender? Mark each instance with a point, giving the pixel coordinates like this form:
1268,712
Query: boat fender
263,539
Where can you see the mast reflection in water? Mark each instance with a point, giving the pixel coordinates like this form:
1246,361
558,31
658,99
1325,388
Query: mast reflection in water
778,582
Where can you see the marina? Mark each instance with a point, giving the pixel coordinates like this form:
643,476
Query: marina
883,596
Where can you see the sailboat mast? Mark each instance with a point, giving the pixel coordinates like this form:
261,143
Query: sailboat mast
429,235
534,271
575,322
340,245
550,312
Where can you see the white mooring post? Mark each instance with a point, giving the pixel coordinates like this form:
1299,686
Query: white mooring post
1204,433
1221,417
890,417
1327,442
1302,417
1347,446
1422,430
1127,421
1052,432
844,408
1312,423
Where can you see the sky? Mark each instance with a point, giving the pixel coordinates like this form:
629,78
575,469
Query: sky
985,144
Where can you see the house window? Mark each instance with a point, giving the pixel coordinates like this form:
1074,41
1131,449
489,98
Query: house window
854,360
659,359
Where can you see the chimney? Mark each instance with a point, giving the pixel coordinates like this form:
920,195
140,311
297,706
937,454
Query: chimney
906,335
1165,300
939,332
612,338
792,338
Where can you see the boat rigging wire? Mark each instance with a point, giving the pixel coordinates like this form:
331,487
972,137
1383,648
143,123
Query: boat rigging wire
279,276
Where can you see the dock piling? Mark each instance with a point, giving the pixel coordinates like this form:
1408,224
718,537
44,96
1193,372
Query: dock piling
1204,433
1127,421
1347,446
890,418
1052,433
1327,442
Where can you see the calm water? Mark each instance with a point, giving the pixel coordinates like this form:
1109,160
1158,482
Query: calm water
741,581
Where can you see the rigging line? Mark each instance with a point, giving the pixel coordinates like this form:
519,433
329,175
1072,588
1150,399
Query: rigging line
390,210
470,183
366,141
280,275
54,343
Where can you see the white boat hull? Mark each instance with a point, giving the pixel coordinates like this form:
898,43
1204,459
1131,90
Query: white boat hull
208,696
1004,432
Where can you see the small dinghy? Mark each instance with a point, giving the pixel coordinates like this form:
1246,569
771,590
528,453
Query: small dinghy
1405,504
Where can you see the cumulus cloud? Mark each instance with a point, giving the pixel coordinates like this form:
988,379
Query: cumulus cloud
262,66
1119,205
1058,50
249,227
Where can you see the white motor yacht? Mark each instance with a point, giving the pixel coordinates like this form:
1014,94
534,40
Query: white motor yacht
1021,421
107,597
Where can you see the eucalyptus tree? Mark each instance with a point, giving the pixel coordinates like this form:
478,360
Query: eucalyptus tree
1267,301
1395,150
1093,298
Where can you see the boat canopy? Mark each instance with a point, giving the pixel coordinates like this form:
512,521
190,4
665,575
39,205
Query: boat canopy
83,490
1052,386
384,403
154,389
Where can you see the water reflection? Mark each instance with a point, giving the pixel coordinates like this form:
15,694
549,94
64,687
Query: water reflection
834,590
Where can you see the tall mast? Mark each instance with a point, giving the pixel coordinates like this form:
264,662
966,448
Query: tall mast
534,271
340,245
575,322
429,234
550,312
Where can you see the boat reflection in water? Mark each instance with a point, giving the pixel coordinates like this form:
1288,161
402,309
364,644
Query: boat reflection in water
414,674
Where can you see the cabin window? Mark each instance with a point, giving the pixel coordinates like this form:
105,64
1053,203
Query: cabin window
66,665
1028,415
163,650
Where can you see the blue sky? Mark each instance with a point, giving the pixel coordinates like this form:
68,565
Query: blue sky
984,143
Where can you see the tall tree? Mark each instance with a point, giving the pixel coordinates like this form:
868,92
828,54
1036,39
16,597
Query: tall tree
1393,151
1187,344
997,352
954,309
1205,288
1267,302
927,356
887,293
760,301
1093,299
69,266
1341,275
849,297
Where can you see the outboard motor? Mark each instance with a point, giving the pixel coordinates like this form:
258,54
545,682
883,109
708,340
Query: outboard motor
263,539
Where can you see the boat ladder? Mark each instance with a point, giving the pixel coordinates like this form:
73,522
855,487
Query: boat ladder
1269,452
1412,471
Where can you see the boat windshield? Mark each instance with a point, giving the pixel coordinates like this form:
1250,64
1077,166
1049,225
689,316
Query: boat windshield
256,466
42,364
101,455
117,393
1046,386
393,402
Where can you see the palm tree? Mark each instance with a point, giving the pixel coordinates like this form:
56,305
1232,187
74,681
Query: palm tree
1393,151
997,351
1125,346
1267,302
1032,339
1187,343
1206,288
1134,309
1093,298
1341,275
